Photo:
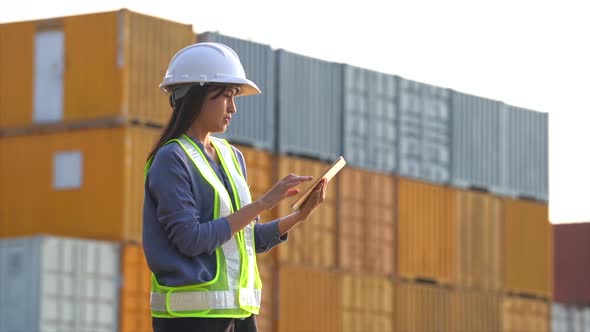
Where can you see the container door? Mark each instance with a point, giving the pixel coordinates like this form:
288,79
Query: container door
48,76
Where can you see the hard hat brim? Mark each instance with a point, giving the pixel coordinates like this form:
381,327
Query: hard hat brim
247,87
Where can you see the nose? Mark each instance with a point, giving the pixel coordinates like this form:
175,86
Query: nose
231,105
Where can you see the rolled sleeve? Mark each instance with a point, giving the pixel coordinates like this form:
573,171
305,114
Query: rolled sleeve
169,182
266,236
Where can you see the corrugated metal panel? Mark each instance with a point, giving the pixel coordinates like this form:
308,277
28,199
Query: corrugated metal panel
151,42
313,242
424,133
370,111
254,123
475,311
352,224
366,221
519,314
367,303
525,152
475,142
135,314
571,271
16,73
559,318
565,318
310,300
422,307
91,51
268,310
67,285
426,231
527,249
112,174
260,169
479,232
309,101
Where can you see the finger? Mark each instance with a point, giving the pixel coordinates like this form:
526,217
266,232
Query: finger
292,192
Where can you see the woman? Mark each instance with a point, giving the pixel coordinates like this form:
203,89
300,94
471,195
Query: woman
200,230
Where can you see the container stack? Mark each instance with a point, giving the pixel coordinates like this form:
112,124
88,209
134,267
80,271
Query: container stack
79,111
571,292
438,222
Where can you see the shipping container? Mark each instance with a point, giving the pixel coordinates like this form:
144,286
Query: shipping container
422,307
125,53
366,221
58,284
424,135
312,242
476,159
267,269
367,303
566,318
527,249
309,106
426,232
254,123
479,234
572,268
475,311
135,314
525,153
86,184
309,300
260,171
369,120
521,314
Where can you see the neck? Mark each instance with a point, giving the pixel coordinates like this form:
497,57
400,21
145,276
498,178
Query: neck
201,135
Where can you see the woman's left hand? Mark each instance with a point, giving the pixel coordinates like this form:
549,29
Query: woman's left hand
317,197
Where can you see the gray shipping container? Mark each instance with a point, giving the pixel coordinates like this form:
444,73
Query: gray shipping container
254,122
58,285
309,106
424,133
524,151
369,119
569,318
475,142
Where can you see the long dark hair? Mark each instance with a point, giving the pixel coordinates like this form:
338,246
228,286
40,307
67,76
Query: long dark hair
184,112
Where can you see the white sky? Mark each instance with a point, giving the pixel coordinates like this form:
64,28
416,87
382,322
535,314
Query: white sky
533,54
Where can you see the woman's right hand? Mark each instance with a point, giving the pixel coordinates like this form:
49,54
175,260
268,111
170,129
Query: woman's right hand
281,190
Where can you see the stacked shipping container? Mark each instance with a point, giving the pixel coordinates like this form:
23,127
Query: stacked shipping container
394,248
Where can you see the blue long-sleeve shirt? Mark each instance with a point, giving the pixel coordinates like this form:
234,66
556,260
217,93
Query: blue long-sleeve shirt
179,233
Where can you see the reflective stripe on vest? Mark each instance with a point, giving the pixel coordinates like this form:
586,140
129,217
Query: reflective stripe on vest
243,292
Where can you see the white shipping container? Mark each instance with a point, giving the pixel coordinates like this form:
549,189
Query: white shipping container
570,319
55,284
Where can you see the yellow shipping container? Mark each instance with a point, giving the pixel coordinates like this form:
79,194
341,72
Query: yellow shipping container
86,184
475,311
313,242
479,228
421,307
135,312
260,168
427,237
519,314
98,66
309,300
527,251
366,221
268,308
367,303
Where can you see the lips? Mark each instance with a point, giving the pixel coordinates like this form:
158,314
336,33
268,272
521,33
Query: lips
227,119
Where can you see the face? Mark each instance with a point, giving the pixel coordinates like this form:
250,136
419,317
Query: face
218,108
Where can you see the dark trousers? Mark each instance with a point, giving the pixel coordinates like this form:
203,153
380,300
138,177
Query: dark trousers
205,324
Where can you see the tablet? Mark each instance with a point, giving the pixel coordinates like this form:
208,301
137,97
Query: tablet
328,175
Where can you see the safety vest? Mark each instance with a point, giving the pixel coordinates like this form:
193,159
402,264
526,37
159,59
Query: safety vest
236,289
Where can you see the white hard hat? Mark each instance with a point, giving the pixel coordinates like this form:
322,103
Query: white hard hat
208,63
